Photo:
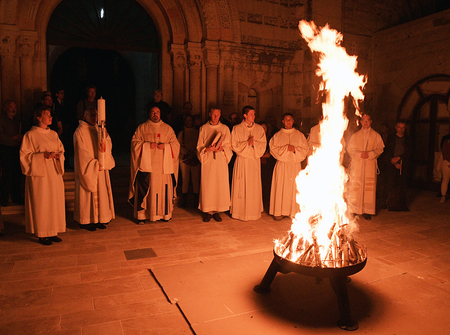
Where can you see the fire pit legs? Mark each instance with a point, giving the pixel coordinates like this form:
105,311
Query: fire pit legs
339,285
264,286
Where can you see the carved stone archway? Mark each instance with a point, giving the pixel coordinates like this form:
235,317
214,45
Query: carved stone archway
425,109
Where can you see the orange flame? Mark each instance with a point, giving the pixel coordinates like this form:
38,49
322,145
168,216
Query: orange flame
323,224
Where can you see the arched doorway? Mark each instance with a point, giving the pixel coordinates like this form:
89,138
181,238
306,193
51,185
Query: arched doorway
111,74
113,45
425,108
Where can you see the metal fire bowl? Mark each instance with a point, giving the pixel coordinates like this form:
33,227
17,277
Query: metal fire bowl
318,272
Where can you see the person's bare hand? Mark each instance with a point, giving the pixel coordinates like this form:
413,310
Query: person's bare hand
51,155
291,148
153,145
364,155
18,137
161,146
250,141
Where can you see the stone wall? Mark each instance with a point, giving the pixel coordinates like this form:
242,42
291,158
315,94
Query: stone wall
404,55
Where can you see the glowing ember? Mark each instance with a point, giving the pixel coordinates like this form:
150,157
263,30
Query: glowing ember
321,234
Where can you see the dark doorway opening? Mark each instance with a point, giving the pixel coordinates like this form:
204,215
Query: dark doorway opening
112,75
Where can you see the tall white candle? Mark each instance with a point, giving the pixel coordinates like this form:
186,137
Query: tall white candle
101,109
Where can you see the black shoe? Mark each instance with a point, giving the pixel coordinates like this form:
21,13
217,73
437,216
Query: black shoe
106,223
164,220
216,216
206,217
100,226
45,241
367,216
54,239
90,227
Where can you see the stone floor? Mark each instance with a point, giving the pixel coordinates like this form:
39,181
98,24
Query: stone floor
100,283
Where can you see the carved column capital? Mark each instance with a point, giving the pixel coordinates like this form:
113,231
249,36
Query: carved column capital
178,56
26,46
211,55
194,54
7,44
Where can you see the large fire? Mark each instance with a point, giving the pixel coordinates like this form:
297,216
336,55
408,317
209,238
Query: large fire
321,233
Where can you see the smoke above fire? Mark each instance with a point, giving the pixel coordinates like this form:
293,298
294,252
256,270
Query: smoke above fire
321,233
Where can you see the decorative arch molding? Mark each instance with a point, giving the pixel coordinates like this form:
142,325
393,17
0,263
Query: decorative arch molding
425,108
423,89
220,20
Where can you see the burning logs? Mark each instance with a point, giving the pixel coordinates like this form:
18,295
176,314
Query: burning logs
340,249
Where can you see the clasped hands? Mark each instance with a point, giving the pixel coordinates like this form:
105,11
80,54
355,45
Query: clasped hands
364,155
154,145
52,155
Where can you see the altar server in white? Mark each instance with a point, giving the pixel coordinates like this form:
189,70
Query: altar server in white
289,147
214,153
42,162
248,141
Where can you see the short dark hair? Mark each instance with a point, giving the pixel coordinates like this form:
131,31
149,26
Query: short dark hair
90,86
214,108
246,109
38,113
287,114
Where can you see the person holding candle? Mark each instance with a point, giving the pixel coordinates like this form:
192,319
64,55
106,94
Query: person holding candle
42,162
154,160
94,205
10,139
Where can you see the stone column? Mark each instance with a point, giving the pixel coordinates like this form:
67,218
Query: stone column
26,51
194,61
9,77
211,59
227,89
178,56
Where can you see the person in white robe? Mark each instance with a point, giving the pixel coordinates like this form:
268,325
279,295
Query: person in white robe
214,152
314,139
154,160
42,163
248,141
94,205
364,147
289,147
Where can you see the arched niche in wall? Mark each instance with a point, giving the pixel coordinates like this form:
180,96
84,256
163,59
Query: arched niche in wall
425,109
